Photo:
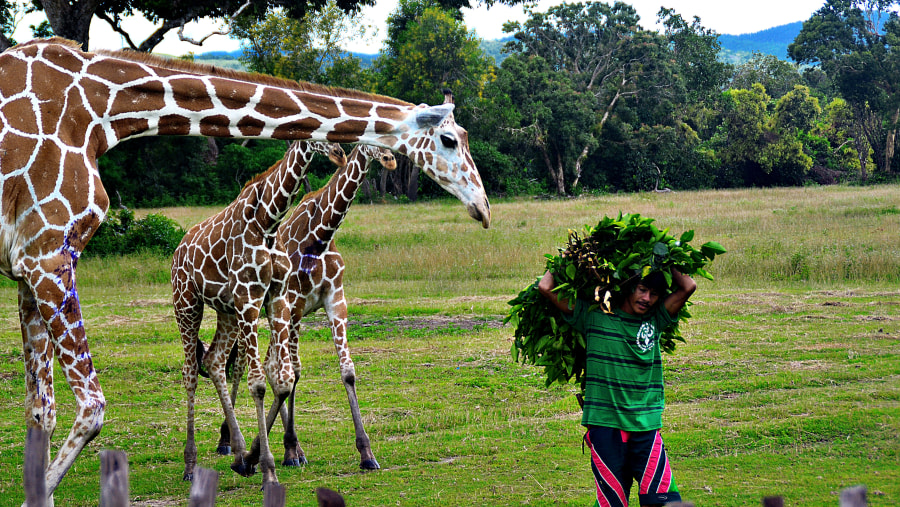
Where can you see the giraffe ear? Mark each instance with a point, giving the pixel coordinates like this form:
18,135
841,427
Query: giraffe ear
432,116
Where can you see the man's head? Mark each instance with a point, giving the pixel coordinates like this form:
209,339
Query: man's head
644,294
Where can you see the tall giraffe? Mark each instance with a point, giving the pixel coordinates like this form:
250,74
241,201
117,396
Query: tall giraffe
233,262
61,109
316,281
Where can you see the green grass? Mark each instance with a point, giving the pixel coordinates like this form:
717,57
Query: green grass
788,383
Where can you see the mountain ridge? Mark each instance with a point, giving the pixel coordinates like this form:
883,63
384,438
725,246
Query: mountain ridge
736,49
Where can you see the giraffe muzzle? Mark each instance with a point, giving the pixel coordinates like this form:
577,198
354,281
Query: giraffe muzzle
481,212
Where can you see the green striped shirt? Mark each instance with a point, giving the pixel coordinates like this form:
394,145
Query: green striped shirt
624,378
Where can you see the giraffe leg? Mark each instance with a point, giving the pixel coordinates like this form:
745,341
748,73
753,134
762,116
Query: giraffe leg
279,368
336,308
225,341
237,374
49,297
40,401
293,453
260,454
188,315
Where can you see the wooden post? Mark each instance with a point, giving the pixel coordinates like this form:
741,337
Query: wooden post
854,497
329,498
113,479
274,495
36,442
204,488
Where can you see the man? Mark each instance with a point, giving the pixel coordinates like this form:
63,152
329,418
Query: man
623,399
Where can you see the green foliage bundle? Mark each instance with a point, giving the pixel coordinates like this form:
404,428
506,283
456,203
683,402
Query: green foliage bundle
121,234
595,266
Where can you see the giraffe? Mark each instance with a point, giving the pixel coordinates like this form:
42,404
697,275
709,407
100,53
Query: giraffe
231,262
316,281
62,108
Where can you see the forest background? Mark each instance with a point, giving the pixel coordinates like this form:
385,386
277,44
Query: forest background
578,99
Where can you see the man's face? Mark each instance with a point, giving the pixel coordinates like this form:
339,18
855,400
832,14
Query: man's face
640,301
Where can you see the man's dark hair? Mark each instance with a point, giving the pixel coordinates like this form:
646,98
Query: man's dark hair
655,281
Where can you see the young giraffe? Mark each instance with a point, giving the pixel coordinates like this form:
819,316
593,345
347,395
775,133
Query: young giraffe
232,261
61,109
316,281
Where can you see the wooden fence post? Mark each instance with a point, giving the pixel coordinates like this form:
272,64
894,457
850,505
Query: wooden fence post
274,495
854,497
36,442
204,488
113,479
329,498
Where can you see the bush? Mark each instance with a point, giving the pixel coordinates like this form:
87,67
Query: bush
121,234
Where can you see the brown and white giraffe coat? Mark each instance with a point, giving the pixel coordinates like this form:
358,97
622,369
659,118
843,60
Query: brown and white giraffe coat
234,263
61,109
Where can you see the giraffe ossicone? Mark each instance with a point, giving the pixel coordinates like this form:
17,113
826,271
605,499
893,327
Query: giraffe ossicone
62,108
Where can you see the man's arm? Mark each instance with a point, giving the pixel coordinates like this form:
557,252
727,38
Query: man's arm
675,301
545,287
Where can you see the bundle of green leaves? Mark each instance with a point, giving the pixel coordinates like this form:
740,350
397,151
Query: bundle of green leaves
595,266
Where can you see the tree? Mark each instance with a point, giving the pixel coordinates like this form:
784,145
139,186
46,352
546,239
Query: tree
434,52
856,43
777,76
695,51
601,57
306,49
72,18
755,151
550,114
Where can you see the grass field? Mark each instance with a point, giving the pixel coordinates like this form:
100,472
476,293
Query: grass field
789,383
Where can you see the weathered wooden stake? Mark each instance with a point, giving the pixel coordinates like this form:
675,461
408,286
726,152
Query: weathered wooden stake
113,479
329,498
36,441
854,497
274,495
204,488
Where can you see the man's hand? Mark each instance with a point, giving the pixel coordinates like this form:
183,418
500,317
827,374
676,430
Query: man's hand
546,286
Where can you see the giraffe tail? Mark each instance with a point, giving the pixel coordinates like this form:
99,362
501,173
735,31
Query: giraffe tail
229,364
201,351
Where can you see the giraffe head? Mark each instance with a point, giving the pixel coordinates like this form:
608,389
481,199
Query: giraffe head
387,160
437,145
336,154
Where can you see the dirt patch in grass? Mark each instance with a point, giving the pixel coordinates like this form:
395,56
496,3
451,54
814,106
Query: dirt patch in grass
434,322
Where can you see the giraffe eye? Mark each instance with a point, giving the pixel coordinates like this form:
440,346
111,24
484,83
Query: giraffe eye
448,141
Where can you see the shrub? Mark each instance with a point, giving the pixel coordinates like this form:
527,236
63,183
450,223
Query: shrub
121,234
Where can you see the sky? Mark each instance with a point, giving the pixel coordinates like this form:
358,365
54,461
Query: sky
723,16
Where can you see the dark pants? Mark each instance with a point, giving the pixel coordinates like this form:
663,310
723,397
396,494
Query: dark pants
619,457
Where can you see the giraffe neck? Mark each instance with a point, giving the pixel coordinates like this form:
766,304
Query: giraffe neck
271,193
329,205
112,96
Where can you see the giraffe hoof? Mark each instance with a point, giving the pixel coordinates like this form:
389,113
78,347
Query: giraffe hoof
294,462
188,477
369,464
242,468
223,450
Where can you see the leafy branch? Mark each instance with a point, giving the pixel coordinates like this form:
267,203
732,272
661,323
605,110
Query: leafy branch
594,266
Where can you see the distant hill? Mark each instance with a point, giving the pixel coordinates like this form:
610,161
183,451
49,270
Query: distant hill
772,41
736,49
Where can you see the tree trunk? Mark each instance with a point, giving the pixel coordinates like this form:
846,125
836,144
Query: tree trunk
890,141
412,181
558,179
71,19
212,151
580,160
560,175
